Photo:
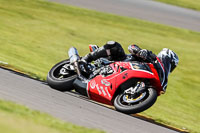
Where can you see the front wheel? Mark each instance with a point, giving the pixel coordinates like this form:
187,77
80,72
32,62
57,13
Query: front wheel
139,103
61,76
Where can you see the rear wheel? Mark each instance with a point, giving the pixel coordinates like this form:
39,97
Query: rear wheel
131,105
61,76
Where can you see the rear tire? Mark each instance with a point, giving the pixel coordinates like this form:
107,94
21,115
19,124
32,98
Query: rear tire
143,104
61,84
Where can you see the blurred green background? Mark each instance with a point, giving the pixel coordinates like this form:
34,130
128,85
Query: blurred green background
35,34
192,4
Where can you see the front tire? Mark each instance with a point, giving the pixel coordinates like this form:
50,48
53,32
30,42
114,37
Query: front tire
58,81
141,102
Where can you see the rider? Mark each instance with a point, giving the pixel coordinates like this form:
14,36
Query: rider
165,62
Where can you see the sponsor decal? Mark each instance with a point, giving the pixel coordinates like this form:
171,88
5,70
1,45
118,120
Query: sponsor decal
136,67
105,82
101,90
107,92
98,89
125,75
92,84
104,93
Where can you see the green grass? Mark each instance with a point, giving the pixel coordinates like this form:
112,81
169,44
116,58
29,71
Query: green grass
192,4
34,35
19,119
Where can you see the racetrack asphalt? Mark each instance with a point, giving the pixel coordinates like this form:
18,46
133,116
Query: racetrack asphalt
70,106
144,9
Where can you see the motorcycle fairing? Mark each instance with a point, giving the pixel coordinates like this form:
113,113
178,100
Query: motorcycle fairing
102,88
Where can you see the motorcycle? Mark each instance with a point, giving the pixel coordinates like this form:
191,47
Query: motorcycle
130,86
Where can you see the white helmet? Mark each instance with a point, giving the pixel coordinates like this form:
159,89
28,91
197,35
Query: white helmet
172,56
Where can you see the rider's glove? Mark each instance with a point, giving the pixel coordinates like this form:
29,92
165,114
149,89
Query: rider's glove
146,55
133,49
142,54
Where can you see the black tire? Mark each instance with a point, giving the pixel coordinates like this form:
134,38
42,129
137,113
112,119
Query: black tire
64,84
143,104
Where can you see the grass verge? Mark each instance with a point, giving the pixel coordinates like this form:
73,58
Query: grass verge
35,34
192,4
19,119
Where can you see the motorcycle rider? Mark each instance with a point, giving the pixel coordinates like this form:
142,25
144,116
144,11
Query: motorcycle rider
165,62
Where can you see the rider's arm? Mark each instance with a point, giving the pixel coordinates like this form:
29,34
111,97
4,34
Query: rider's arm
143,54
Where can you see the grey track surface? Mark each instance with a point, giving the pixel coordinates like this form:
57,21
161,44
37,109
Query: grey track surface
144,9
69,106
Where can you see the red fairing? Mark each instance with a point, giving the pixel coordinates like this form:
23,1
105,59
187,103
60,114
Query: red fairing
102,89
156,81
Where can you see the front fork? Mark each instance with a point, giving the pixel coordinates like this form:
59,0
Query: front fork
77,69
139,88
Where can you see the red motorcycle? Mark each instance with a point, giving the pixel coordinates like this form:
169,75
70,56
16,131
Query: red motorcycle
130,86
